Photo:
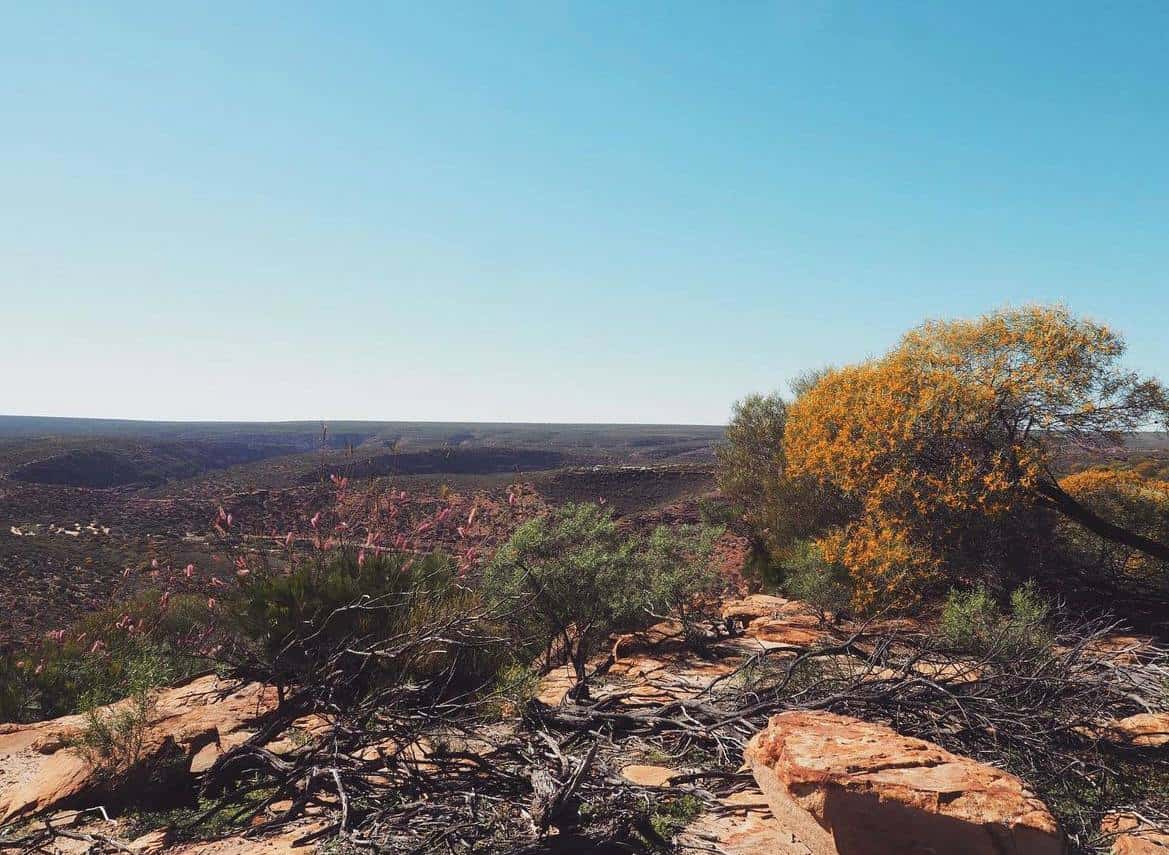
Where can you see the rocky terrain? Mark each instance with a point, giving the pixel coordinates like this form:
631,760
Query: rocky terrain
808,782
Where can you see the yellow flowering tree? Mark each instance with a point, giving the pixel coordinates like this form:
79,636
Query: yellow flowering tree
948,443
1137,503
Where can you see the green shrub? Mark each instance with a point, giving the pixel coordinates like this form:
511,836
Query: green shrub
973,622
718,512
515,685
112,739
569,577
293,622
811,579
682,582
93,661
572,578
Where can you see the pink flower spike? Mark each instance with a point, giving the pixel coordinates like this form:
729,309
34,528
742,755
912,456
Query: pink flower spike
288,539
211,603
154,564
361,558
316,519
189,571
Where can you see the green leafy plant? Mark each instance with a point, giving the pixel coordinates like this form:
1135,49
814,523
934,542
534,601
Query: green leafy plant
810,578
571,578
296,620
112,740
682,583
973,622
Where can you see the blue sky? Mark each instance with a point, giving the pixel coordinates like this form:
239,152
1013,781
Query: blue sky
555,211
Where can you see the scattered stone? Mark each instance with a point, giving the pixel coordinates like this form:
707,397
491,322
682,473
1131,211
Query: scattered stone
745,826
758,606
1130,836
1143,730
648,776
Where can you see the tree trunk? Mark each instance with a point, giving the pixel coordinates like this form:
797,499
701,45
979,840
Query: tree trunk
1056,498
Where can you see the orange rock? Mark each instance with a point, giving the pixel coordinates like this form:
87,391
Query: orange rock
744,826
845,787
1144,730
648,776
199,719
758,606
1131,837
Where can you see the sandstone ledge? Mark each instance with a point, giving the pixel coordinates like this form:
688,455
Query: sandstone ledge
845,787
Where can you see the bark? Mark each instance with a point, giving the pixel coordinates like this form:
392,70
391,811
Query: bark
1056,498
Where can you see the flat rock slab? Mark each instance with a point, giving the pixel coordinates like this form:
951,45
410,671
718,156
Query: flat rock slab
1130,836
845,787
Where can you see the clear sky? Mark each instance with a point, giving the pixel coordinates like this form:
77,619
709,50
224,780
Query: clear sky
554,211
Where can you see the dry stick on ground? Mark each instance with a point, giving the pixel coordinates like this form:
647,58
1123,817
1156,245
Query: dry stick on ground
413,764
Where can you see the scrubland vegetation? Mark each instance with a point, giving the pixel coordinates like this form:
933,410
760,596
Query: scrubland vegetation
939,464
925,482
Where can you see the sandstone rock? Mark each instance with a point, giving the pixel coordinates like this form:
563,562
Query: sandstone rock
198,719
1143,730
845,787
648,776
1131,837
791,629
744,826
152,842
758,606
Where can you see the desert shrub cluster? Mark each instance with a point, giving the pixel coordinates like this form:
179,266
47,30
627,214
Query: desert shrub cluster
572,578
100,658
973,622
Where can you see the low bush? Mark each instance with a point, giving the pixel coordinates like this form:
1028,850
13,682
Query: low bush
810,578
94,661
291,622
682,582
112,739
973,622
571,578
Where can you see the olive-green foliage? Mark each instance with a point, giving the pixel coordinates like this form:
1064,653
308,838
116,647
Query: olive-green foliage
111,741
680,576
672,815
569,577
572,578
753,474
515,685
714,512
808,577
59,678
295,620
973,622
